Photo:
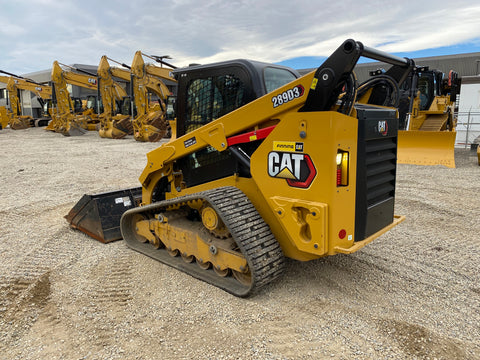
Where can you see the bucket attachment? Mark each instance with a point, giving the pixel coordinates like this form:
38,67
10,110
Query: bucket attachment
117,128
21,122
73,130
110,132
152,127
123,123
74,127
419,147
99,215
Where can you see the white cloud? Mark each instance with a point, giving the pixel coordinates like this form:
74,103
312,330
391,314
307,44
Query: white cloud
35,33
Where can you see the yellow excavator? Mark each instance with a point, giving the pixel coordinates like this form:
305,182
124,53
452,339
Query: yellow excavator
150,124
265,165
149,121
113,124
15,83
64,120
428,132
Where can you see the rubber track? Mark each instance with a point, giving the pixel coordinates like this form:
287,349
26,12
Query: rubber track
251,234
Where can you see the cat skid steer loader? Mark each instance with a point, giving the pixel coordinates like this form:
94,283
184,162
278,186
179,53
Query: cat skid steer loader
259,172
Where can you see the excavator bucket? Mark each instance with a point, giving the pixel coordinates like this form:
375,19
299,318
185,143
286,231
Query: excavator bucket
21,122
123,123
99,215
419,147
117,128
153,127
74,126
110,131
73,130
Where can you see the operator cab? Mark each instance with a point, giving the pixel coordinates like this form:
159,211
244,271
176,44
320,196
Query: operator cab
429,85
207,92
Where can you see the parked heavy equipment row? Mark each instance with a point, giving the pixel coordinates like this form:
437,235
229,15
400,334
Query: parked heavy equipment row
265,165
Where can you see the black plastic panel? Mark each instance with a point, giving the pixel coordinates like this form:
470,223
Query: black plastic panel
376,170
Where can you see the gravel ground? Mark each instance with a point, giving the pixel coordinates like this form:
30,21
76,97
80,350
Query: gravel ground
413,293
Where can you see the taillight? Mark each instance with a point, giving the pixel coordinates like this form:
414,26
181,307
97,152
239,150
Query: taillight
342,168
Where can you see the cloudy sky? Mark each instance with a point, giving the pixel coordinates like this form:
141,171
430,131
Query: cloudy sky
34,33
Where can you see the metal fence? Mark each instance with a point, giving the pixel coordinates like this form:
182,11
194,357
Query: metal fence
468,127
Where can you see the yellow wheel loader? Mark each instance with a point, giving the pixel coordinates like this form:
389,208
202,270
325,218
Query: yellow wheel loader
427,136
265,166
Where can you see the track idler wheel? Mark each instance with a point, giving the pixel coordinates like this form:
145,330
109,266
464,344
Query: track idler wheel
213,223
136,218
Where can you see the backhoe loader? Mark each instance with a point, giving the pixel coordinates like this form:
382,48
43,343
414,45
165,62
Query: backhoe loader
14,84
427,135
265,166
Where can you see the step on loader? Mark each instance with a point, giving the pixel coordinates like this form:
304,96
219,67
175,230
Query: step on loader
265,165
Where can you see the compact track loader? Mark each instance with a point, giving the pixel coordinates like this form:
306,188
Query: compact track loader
265,166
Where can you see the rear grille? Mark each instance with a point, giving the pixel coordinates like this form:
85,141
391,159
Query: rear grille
380,170
376,170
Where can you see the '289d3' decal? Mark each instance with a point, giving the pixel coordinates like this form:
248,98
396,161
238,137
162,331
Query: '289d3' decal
288,95
297,169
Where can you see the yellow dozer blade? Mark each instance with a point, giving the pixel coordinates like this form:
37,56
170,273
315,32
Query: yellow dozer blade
419,147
